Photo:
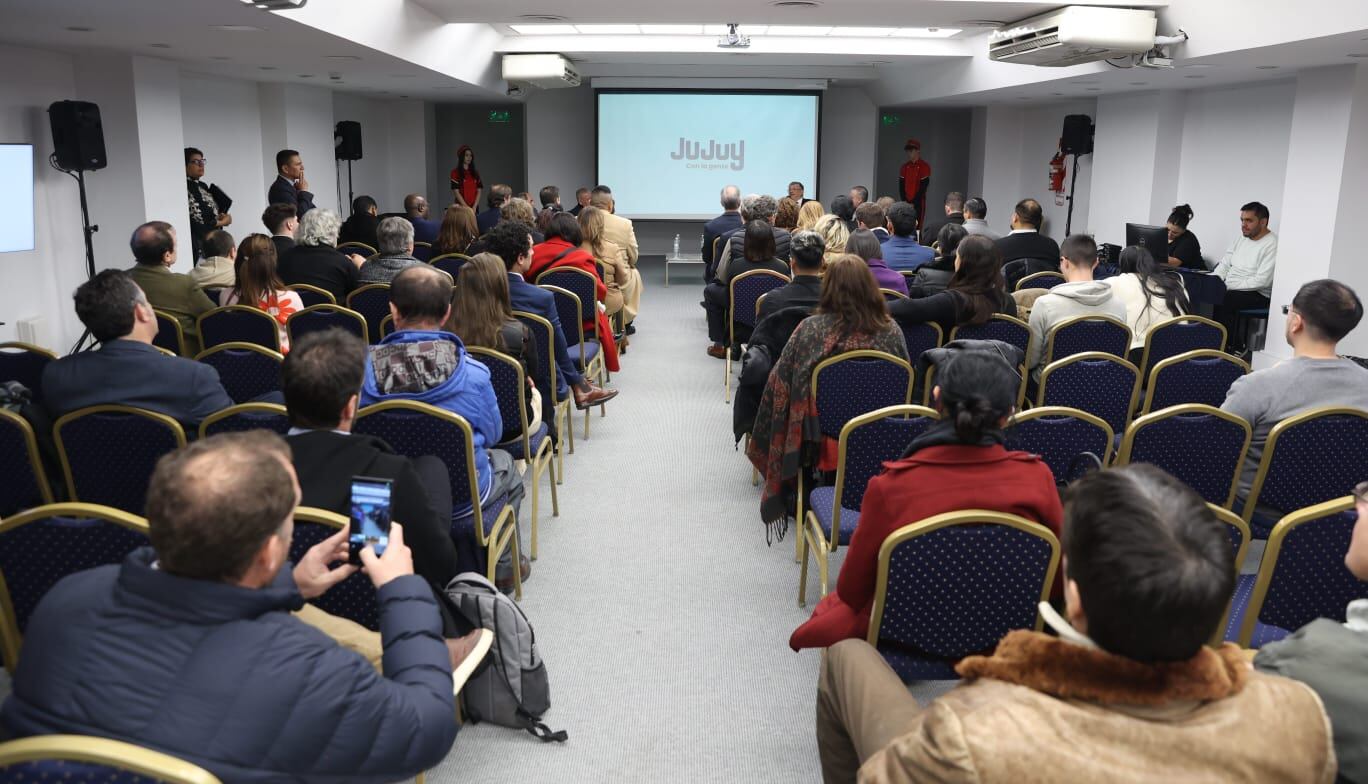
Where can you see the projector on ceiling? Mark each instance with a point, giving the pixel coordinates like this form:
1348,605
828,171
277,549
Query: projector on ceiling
547,71
1074,35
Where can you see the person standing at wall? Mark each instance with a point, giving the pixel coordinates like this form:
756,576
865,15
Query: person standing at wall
290,187
208,203
914,178
466,185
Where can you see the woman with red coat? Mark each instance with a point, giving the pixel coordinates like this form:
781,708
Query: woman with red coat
958,463
562,249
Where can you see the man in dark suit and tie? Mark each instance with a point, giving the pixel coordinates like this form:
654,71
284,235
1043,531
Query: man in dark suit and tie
512,242
724,224
281,220
290,187
127,369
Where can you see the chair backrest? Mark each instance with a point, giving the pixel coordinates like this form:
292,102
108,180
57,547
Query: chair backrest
510,385
1060,436
247,371
422,250
1200,376
544,335
870,440
578,282
81,759
317,318
857,382
354,597
1008,329
919,338
1178,336
387,327
1040,280
1302,576
26,484
450,263
108,453
1237,531
372,302
40,546
359,248
1099,383
170,334
716,240
24,362
239,324
890,295
1311,458
568,311
246,416
952,585
312,295
746,289
1199,445
1082,334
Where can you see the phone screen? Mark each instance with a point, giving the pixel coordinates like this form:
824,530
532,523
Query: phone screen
370,516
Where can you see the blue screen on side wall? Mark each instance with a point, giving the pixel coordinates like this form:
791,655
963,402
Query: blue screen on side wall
667,155
16,197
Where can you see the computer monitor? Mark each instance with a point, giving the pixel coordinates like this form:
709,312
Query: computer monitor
1152,238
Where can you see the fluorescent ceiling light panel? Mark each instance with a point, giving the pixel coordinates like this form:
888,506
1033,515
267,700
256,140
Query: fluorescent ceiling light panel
861,32
721,29
798,31
608,29
671,29
925,32
544,29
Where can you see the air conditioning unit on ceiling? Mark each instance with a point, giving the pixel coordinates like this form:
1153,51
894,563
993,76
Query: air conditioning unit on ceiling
547,71
1074,35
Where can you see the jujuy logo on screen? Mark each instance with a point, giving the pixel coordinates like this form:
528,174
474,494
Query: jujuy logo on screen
712,154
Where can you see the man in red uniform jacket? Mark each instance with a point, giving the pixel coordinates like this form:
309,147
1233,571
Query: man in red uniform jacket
914,178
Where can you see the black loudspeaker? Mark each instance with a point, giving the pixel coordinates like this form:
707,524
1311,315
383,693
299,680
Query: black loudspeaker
348,138
77,135
1078,135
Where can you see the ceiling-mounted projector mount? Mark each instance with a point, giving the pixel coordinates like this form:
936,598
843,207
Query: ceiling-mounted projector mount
733,39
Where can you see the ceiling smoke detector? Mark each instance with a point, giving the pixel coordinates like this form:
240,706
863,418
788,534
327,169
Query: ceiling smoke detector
733,39
796,4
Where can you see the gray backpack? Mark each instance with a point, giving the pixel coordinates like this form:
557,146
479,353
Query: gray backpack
511,688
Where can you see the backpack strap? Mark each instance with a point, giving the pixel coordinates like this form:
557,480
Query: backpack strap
539,730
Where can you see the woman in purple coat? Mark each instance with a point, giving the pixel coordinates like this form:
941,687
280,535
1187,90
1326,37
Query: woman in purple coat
864,244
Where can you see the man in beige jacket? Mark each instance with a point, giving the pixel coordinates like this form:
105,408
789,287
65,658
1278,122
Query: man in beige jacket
1127,691
619,231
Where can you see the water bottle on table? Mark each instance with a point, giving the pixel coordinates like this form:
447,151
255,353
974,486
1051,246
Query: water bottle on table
675,255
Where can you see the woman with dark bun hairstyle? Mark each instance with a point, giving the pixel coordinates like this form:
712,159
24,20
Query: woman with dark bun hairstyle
1184,250
958,463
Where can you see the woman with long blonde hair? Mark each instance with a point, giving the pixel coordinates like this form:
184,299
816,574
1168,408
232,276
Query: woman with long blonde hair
624,283
834,230
809,214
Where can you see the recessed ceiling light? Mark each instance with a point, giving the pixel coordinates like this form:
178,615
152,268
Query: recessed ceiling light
880,62
1195,76
267,67
671,29
230,28
343,57
1086,81
1138,84
544,29
542,18
81,29
608,29
925,32
403,76
160,46
306,76
1359,55
797,5
220,57
721,29
1195,65
798,31
1056,93
1266,67
1093,89
862,32
980,23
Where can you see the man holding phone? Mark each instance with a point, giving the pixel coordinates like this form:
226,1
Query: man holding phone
237,684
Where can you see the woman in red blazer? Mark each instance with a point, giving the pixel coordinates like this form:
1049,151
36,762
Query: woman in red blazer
958,463
562,249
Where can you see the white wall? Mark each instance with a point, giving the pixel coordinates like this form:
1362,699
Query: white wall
849,145
370,176
560,141
222,117
1017,147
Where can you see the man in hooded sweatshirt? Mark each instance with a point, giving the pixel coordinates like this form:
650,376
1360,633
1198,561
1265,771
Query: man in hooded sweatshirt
423,363
1079,295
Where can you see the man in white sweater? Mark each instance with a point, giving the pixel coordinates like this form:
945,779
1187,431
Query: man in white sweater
1247,269
1079,295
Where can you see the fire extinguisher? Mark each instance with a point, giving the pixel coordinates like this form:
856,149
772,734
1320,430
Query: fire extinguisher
1057,174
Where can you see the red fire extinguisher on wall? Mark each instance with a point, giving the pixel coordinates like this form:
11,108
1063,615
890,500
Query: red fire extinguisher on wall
1057,174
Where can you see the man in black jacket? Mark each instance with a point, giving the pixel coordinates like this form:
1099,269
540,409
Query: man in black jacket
281,220
322,377
805,289
1026,251
290,187
363,224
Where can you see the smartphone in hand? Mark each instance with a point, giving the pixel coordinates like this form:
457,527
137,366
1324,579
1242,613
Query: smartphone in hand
370,516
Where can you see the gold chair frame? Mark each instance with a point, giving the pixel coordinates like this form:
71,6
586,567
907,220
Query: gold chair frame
1149,337
159,418
345,246
313,290
1022,376
103,751
1045,412
1153,378
731,322
180,331
275,326
1030,335
1048,356
326,308
359,289
1128,440
1092,356
1271,447
593,369
19,345
34,457
1020,286
240,408
560,406
886,293
1233,520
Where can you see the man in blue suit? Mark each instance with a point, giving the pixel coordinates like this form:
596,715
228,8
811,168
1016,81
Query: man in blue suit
290,187
724,224
416,208
127,369
512,242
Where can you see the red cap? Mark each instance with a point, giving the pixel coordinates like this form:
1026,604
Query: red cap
911,143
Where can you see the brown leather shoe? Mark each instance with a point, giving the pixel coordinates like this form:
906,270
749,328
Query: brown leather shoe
596,396
717,352
504,582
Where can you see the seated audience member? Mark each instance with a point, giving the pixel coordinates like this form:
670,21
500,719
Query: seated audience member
581,201
865,244
512,243
1079,295
858,195
416,209
623,282
754,207
1127,691
795,193
885,202
458,231
834,236
616,229
212,597
1247,269
933,278
322,382
258,285
786,215
809,214
954,213
549,196
562,249
1183,248
281,220
850,316
482,316
806,251
1149,293
363,224
976,218
498,194
902,251
316,260
544,220
516,210
874,218
154,250
1332,658
396,253
127,370
758,253
959,456
843,208
730,220
1026,251
1321,314
422,363
215,270
973,294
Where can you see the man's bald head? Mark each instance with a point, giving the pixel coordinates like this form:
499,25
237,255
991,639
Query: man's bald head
416,206
731,198
601,200
152,241
420,298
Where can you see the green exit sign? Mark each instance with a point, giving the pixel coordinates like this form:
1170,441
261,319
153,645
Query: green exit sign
500,116
891,119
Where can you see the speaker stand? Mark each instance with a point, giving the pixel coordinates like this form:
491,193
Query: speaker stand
88,230
1073,181
350,195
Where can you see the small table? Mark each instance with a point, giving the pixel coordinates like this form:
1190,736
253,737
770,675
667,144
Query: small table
683,258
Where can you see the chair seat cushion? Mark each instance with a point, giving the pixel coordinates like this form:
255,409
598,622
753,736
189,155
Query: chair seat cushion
1263,633
911,667
464,527
822,501
591,350
534,439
